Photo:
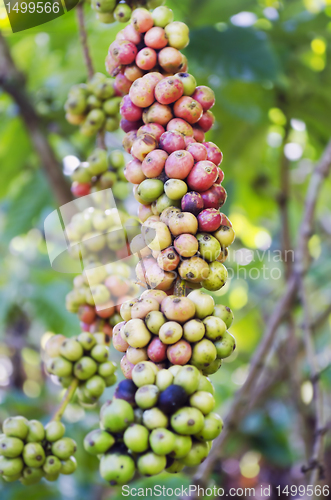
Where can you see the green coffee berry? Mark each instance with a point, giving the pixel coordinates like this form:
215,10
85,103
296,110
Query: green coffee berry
204,401
71,349
52,465
162,441
11,466
59,366
188,377
33,455
36,431
98,442
32,475
215,328
86,340
136,438
224,313
11,479
164,378
204,303
175,467
154,320
100,353
68,466
203,353
151,464
143,374
16,427
117,469
64,448
85,368
11,447
211,428
206,385
95,386
110,380
187,421
225,346
106,369
51,477
212,367
196,455
54,431
154,418
182,446
147,396
117,416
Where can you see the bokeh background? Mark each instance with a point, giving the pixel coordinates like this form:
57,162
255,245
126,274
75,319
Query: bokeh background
268,62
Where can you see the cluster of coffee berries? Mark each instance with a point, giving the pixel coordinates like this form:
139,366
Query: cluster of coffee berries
100,238
95,105
100,171
108,11
85,358
152,42
29,451
165,423
173,330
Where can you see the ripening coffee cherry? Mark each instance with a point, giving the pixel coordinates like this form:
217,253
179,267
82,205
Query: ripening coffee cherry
194,269
123,51
71,349
214,154
187,421
186,245
181,126
188,109
143,374
198,133
126,390
206,121
154,320
172,398
117,469
136,355
203,353
175,189
206,385
147,396
157,350
16,427
36,432
205,96
132,72
143,306
188,81
225,235
98,442
193,330
209,247
178,309
136,438
188,378
126,367
156,38
217,277
142,20
196,455
171,61
11,466
162,441
146,58
204,401
33,455
162,16
168,259
169,90
183,222
215,328
209,220
179,353
178,34
192,202
85,368
168,213
224,313
182,446
226,345
212,427
154,418
151,464
172,141
135,333
214,197
130,111
131,34
164,378
10,447
87,340
68,466
142,92
204,303
117,416
179,164
170,332
202,176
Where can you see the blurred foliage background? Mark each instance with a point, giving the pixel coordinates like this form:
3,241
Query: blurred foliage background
269,64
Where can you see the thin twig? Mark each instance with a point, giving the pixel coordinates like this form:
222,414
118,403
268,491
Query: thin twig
66,399
13,82
83,39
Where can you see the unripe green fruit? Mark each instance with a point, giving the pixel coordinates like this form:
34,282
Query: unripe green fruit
76,105
138,415
212,367
54,431
51,477
174,369
33,455
188,378
147,396
36,432
215,328
64,448
71,349
11,479
170,332
104,90
84,399
188,81
193,330
162,16
164,202
81,174
86,340
59,366
136,438
150,189
85,368
16,427
154,320
117,469
143,374
93,102
225,346
122,13
52,465
11,447
68,466
154,418
110,380
102,338
106,369
117,416
10,466
225,235
105,17
224,313
98,442
209,247
204,401
95,386
151,464
187,421
116,318
175,467
177,34
204,303
111,107
203,353
196,455
164,378
162,441
182,446
211,428
98,162
100,353
217,277
111,124
116,158
206,385
32,475
175,189
121,190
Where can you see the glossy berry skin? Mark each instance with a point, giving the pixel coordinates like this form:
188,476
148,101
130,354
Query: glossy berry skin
121,85
178,309
157,113
172,141
178,34
206,121
157,350
192,202
179,353
153,164
130,111
156,38
172,398
128,126
141,20
181,126
214,153
146,59
198,151
123,51
154,129
188,81
217,276
133,172
169,90
214,197
143,145
186,245
188,109
142,92
170,60
205,96
126,390
168,259
132,72
202,176
194,269
183,222
209,220
198,133
179,164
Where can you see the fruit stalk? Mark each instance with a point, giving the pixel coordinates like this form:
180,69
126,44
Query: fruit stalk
83,39
65,400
